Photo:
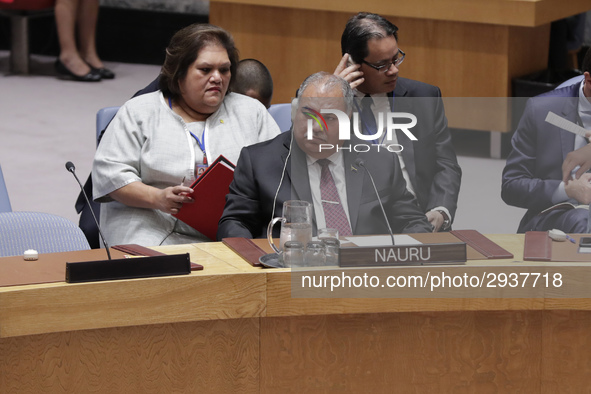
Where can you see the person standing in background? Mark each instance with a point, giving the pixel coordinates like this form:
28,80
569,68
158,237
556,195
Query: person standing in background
76,23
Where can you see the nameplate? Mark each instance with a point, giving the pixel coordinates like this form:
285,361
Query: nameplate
132,268
403,255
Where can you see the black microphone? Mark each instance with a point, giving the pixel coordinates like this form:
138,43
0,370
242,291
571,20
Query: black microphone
361,163
70,167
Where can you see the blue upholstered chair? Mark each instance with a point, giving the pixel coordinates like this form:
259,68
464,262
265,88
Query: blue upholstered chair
282,115
44,232
4,199
103,117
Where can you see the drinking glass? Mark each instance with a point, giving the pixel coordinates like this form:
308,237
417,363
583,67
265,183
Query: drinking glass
315,255
331,246
293,254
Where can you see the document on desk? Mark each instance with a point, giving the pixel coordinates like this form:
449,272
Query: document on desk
382,240
565,124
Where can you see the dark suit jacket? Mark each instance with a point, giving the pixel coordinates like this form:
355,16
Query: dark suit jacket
431,161
258,173
534,166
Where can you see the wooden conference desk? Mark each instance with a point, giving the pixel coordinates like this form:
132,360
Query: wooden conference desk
232,328
469,48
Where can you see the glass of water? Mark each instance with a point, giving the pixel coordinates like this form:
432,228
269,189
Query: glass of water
315,255
331,247
293,254
325,233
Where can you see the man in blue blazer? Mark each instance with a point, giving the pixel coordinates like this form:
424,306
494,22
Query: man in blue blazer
288,168
370,63
532,177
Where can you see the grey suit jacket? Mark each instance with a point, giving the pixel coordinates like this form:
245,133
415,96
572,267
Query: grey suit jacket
249,205
534,166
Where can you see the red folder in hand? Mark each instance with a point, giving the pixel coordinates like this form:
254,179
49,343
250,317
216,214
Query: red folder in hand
209,193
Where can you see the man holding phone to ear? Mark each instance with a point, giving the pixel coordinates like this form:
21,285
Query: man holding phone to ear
370,63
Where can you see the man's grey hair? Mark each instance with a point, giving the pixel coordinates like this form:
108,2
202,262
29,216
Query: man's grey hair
327,81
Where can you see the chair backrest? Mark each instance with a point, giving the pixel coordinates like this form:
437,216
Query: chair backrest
571,81
103,117
4,199
44,232
282,115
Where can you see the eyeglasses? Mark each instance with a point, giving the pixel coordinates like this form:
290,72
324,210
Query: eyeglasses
385,67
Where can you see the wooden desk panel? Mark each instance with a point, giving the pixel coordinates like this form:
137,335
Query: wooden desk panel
567,343
474,352
235,328
68,307
218,356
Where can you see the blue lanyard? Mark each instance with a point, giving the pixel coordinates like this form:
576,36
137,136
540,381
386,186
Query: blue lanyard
366,126
201,144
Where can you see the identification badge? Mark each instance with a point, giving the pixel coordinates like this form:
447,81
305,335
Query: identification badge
200,169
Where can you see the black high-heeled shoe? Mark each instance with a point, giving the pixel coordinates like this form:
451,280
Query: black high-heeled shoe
64,73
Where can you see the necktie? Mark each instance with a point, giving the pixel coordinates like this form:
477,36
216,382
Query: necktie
368,119
334,214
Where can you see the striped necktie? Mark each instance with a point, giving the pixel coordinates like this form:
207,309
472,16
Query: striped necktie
334,214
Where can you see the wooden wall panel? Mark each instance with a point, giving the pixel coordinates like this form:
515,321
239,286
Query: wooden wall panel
292,43
218,356
464,59
500,12
530,48
472,352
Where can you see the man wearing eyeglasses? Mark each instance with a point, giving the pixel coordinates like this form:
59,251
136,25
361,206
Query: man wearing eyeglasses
370,63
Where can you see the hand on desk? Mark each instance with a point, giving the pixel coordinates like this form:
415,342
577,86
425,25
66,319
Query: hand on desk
349,71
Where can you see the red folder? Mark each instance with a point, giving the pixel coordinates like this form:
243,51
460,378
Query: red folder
209,193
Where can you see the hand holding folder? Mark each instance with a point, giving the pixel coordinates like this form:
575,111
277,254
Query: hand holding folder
209,195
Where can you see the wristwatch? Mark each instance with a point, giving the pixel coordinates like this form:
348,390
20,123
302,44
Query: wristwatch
446,221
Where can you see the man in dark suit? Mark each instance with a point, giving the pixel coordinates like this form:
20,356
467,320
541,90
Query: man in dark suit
370,62
533,178
292,167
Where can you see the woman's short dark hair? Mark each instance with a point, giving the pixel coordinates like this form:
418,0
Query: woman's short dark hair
360,29
183,49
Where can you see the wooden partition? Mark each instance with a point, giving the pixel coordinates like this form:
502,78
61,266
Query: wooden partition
469,48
